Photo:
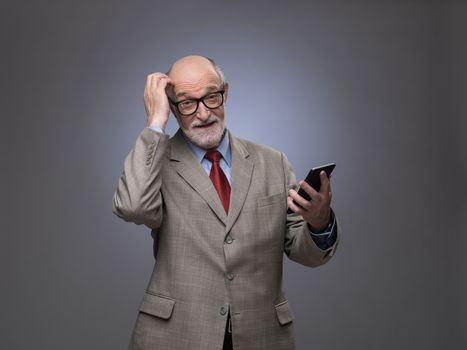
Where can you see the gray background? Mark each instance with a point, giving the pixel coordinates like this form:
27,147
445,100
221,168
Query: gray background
377,87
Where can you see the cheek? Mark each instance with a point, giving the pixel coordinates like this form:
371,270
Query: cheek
220,114
185,122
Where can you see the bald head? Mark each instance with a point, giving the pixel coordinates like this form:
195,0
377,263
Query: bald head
194,69
189,62
199,82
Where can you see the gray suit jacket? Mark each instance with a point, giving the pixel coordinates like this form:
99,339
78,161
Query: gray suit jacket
207,262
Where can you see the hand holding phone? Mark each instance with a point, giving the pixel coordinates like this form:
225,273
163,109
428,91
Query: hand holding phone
313,179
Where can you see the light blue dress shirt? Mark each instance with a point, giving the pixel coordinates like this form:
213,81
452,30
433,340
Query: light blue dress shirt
323,239
225,162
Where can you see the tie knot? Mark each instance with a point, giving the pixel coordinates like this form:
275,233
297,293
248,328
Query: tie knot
213,156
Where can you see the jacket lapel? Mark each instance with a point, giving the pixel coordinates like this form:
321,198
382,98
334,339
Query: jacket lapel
188,167
242,170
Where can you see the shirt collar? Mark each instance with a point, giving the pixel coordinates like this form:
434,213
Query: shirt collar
223,148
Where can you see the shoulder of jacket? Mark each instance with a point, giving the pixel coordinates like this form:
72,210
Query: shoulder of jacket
259,150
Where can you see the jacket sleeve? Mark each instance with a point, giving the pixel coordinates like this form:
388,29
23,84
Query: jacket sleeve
298,243
138,197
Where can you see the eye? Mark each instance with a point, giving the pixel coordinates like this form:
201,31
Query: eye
187,103
213,96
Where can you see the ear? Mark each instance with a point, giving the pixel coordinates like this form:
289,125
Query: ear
226,91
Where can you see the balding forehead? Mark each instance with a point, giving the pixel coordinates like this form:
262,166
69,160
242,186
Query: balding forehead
191,65
192,59
194,88
193,77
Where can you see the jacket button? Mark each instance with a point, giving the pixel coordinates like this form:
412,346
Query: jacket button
229,239
223,311
230,276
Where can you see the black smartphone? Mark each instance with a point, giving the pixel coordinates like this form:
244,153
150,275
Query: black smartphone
314,181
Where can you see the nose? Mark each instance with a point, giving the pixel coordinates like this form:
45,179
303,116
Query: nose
203,113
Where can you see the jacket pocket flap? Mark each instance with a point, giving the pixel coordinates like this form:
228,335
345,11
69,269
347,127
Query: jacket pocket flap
268,200
283,312
157,305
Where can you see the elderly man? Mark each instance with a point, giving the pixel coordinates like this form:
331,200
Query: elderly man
217,207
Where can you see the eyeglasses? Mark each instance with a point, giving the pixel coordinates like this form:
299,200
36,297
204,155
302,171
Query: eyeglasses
188,107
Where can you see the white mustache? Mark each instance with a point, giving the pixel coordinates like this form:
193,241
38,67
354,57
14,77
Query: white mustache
211,119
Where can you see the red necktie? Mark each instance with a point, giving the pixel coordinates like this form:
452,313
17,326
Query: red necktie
219,179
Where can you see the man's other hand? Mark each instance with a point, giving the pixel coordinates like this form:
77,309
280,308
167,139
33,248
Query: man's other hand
317,211
156,102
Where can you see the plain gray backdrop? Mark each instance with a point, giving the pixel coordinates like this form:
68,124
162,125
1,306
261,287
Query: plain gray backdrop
379,87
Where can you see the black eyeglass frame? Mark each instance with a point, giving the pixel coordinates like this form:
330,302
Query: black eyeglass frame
198,100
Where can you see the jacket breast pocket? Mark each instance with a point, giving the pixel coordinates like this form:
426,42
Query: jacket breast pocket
157,305
284,313
268,200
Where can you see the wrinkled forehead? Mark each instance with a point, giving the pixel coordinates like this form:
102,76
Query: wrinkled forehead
193,80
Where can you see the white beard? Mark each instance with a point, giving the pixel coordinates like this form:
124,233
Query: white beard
205,139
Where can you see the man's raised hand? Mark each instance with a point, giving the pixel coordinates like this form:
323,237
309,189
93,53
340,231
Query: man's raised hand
156,102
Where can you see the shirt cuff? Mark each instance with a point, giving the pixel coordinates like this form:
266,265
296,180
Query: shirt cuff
326,239
155,128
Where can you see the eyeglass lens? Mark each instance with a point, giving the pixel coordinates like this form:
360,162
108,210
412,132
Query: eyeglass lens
212,101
